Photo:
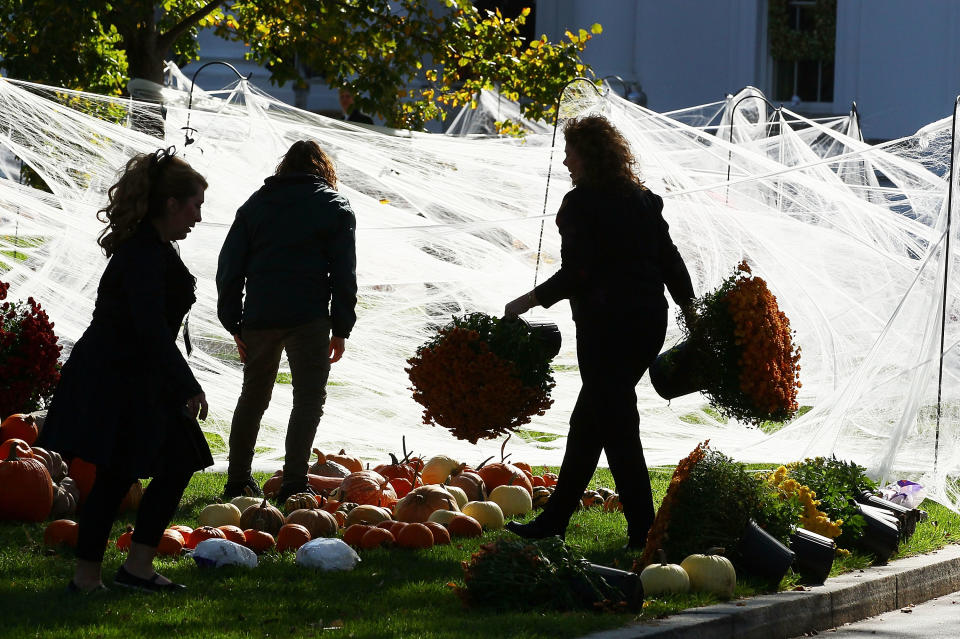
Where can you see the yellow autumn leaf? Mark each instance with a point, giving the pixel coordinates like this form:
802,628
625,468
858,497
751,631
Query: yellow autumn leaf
596,28
384,200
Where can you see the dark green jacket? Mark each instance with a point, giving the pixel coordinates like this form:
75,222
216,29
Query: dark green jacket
292,251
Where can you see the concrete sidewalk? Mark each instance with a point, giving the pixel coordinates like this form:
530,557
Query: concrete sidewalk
850,597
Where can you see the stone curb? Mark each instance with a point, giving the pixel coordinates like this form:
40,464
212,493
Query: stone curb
850,597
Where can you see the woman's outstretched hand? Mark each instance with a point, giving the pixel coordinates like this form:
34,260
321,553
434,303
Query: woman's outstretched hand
520,305
198,404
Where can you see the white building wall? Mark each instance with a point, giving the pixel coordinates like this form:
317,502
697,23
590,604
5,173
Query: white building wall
683,52
899,60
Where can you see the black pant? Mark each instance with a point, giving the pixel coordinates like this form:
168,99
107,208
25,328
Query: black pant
613,354
159,503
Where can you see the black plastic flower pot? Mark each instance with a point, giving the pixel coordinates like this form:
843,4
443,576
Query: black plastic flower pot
676,372
547,333
762,555
625,581
882,533
814,554
907,517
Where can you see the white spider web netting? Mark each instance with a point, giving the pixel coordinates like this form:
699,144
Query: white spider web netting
851,238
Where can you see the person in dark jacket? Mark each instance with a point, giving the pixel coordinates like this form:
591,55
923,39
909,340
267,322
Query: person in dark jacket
292,250
616,255
127,400
350,112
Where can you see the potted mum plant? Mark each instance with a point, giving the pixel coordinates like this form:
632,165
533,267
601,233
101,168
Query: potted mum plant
739,351
480,376
29,356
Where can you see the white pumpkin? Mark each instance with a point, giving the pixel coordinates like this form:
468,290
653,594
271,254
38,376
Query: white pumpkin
437,469
663,578
367,514
711,573
513,500
459,494
442,517
216,515
221,552
327,554
488,513
245,501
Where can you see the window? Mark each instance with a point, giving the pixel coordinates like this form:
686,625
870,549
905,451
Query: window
802,36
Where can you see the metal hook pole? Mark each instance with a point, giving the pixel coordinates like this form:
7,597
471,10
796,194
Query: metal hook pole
733,112
855,114
193,82
946,281
553,142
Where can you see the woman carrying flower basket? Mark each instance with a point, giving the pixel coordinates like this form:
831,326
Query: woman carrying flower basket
616,255
127,400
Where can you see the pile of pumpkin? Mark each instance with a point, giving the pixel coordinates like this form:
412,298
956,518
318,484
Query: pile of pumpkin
405,503
46,487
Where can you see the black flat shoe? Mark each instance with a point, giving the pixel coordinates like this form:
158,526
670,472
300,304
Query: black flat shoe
239,488
534,530
127,580
75,589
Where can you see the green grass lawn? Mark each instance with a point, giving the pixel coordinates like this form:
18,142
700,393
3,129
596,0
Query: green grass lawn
392,593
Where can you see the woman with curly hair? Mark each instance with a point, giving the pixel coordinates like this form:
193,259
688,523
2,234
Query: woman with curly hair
616,256
127,400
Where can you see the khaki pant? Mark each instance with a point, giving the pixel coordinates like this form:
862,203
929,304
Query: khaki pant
307,349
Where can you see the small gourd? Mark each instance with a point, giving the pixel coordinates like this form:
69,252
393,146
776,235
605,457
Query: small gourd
711,573
541,495
300,501
664,578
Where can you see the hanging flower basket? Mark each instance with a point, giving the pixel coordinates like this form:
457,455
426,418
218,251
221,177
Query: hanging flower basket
739,352
481,376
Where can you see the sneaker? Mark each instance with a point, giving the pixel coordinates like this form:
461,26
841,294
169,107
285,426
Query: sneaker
247,487
286,490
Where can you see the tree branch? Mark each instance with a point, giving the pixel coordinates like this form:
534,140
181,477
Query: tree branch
167,39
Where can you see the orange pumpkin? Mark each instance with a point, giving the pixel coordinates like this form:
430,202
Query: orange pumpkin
363,487
61,531
132,499
353,464
23,448
171,543
550,479
503,474
19,426
202,533
84,473
258,541
292,536
32,498
415,535
354,534
123,541
377,537
234,534
441,536
186,531
322,484
524,466
464,526
392,525
401,486
538,480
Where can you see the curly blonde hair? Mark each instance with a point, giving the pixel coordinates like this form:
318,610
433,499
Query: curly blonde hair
306,156
604,153
146,183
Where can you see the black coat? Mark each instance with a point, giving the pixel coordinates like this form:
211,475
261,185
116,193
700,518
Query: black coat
289,258
120,400
616,256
